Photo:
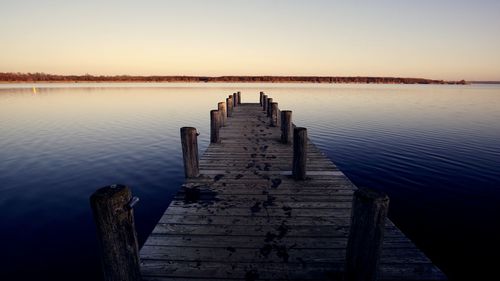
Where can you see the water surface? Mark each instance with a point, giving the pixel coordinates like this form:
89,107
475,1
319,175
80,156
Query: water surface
434,149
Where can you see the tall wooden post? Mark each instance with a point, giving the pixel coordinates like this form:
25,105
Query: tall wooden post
269,106
189,140
229,105
274,114
261,97
235,99
114,219
223,114
264,103
214,126
299,153
364,246
286,126
239,97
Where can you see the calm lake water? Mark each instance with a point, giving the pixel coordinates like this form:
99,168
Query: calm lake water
434,149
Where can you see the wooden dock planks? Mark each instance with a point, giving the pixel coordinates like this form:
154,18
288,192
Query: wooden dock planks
254,222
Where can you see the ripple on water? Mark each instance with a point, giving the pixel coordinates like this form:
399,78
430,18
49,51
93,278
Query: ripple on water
436,156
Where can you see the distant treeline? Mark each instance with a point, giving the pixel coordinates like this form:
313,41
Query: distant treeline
43,77
484,82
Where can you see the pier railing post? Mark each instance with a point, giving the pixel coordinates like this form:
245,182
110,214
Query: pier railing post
264,103
229,105
299,153
369,211
239,97
235,99
223,114
269,106
261,97
214,126
286,126
114,219
189,140
274,114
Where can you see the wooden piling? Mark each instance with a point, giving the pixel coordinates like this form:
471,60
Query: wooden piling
223,114
214,126
261,97
286,126
229,106
274,114
114,219
235,99
264,103
269,103
239,97
364,245
299,153
189,140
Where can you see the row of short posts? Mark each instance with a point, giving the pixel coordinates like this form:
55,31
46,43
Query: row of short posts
369,207
299,134
219,116
112,206
189,135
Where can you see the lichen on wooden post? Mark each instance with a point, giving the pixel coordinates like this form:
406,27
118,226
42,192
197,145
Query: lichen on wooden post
189,141
235,100
229,106
214,126
114,219
286,126
269,106
364,246
274,114
223,114
299,153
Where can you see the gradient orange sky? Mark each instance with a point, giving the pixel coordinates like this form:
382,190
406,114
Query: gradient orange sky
432,39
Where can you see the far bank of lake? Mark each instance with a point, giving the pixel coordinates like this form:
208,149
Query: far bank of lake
433,148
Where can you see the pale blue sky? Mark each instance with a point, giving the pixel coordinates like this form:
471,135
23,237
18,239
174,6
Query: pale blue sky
434,39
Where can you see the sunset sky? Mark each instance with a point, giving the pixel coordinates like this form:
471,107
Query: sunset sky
432,39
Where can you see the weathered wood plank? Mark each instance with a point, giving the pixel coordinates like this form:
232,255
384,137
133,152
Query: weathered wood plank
238,200
280,271
269,252
252,242
262,230
338,213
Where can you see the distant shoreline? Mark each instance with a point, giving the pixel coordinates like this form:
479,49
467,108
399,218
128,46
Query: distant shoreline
484,82
51,78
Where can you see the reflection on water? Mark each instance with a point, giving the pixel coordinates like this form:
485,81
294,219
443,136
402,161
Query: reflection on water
434,149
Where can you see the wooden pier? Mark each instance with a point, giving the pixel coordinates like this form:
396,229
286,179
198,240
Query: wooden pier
243,216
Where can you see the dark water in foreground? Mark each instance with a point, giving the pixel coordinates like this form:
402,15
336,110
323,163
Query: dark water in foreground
434,149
